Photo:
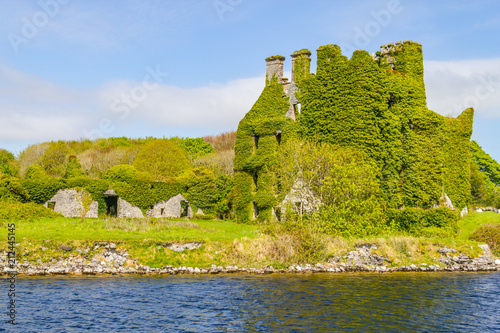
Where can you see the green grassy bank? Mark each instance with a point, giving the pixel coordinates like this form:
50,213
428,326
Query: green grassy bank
224,242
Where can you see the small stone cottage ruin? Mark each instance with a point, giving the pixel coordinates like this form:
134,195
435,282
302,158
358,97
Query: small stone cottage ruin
176,206
69,204
117,207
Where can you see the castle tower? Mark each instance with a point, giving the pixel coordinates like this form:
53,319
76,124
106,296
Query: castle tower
301,64
274,66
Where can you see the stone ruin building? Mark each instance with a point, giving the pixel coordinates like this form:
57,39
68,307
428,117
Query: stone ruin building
375,103
69,204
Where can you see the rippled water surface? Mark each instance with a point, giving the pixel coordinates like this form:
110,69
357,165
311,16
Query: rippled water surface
413,302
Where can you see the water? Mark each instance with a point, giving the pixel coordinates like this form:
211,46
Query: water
412,302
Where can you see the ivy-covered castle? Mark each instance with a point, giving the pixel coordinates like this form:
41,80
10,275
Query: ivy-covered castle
375,103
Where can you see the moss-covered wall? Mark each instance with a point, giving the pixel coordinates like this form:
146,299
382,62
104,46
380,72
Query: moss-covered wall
257,140
377,105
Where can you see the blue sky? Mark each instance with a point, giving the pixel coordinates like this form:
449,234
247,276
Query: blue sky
73,69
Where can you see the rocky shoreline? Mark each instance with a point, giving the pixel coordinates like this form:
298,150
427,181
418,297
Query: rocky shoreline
112,262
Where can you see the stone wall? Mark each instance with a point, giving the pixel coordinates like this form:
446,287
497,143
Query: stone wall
68,204
126,209
170,208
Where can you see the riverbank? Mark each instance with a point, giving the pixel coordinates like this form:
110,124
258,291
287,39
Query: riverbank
120,246
111,261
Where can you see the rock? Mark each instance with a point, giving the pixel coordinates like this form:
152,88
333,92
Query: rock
484,247
464,212
497,262
196,270
65,248
183,247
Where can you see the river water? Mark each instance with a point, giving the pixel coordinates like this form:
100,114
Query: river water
397,302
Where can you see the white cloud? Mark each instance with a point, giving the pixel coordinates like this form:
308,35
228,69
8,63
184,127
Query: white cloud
453,86
32,109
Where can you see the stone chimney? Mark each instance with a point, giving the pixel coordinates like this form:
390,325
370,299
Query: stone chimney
274,66
302,60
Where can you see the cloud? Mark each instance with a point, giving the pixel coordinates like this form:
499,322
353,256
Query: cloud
33,109
453,86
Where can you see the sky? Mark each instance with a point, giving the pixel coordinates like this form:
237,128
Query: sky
75,69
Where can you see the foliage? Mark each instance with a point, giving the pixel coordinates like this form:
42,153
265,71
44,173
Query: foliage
257,140
8,164
54,158
490,234
485,163
222,142
484,178
11,189
14,211
73,168
336,186
121,173
417,220
39,185
96,188
221,162
86,199
201,189
161,159
144,194
196,147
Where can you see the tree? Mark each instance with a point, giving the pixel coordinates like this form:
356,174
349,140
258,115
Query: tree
73,168
484,177
162,159
337,187
54,158
121,173
8,163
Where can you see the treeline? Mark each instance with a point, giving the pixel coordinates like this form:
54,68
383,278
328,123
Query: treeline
139,170
144,171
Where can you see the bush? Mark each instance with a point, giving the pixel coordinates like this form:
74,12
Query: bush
12,211
121,173
162,159
8,164
424,222
74,168
11,189
490,234
41,189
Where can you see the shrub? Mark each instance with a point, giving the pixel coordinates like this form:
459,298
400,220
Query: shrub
424,222
161,159
8,164
41,188
11,189
121,173
74,168
490,234
13,211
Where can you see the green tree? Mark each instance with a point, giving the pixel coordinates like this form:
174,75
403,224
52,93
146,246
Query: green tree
8,164
484,177
121,173
54,158
485,162
337,187
162,159
73,168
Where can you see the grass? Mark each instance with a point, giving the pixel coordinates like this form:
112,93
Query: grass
474,220
224,242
